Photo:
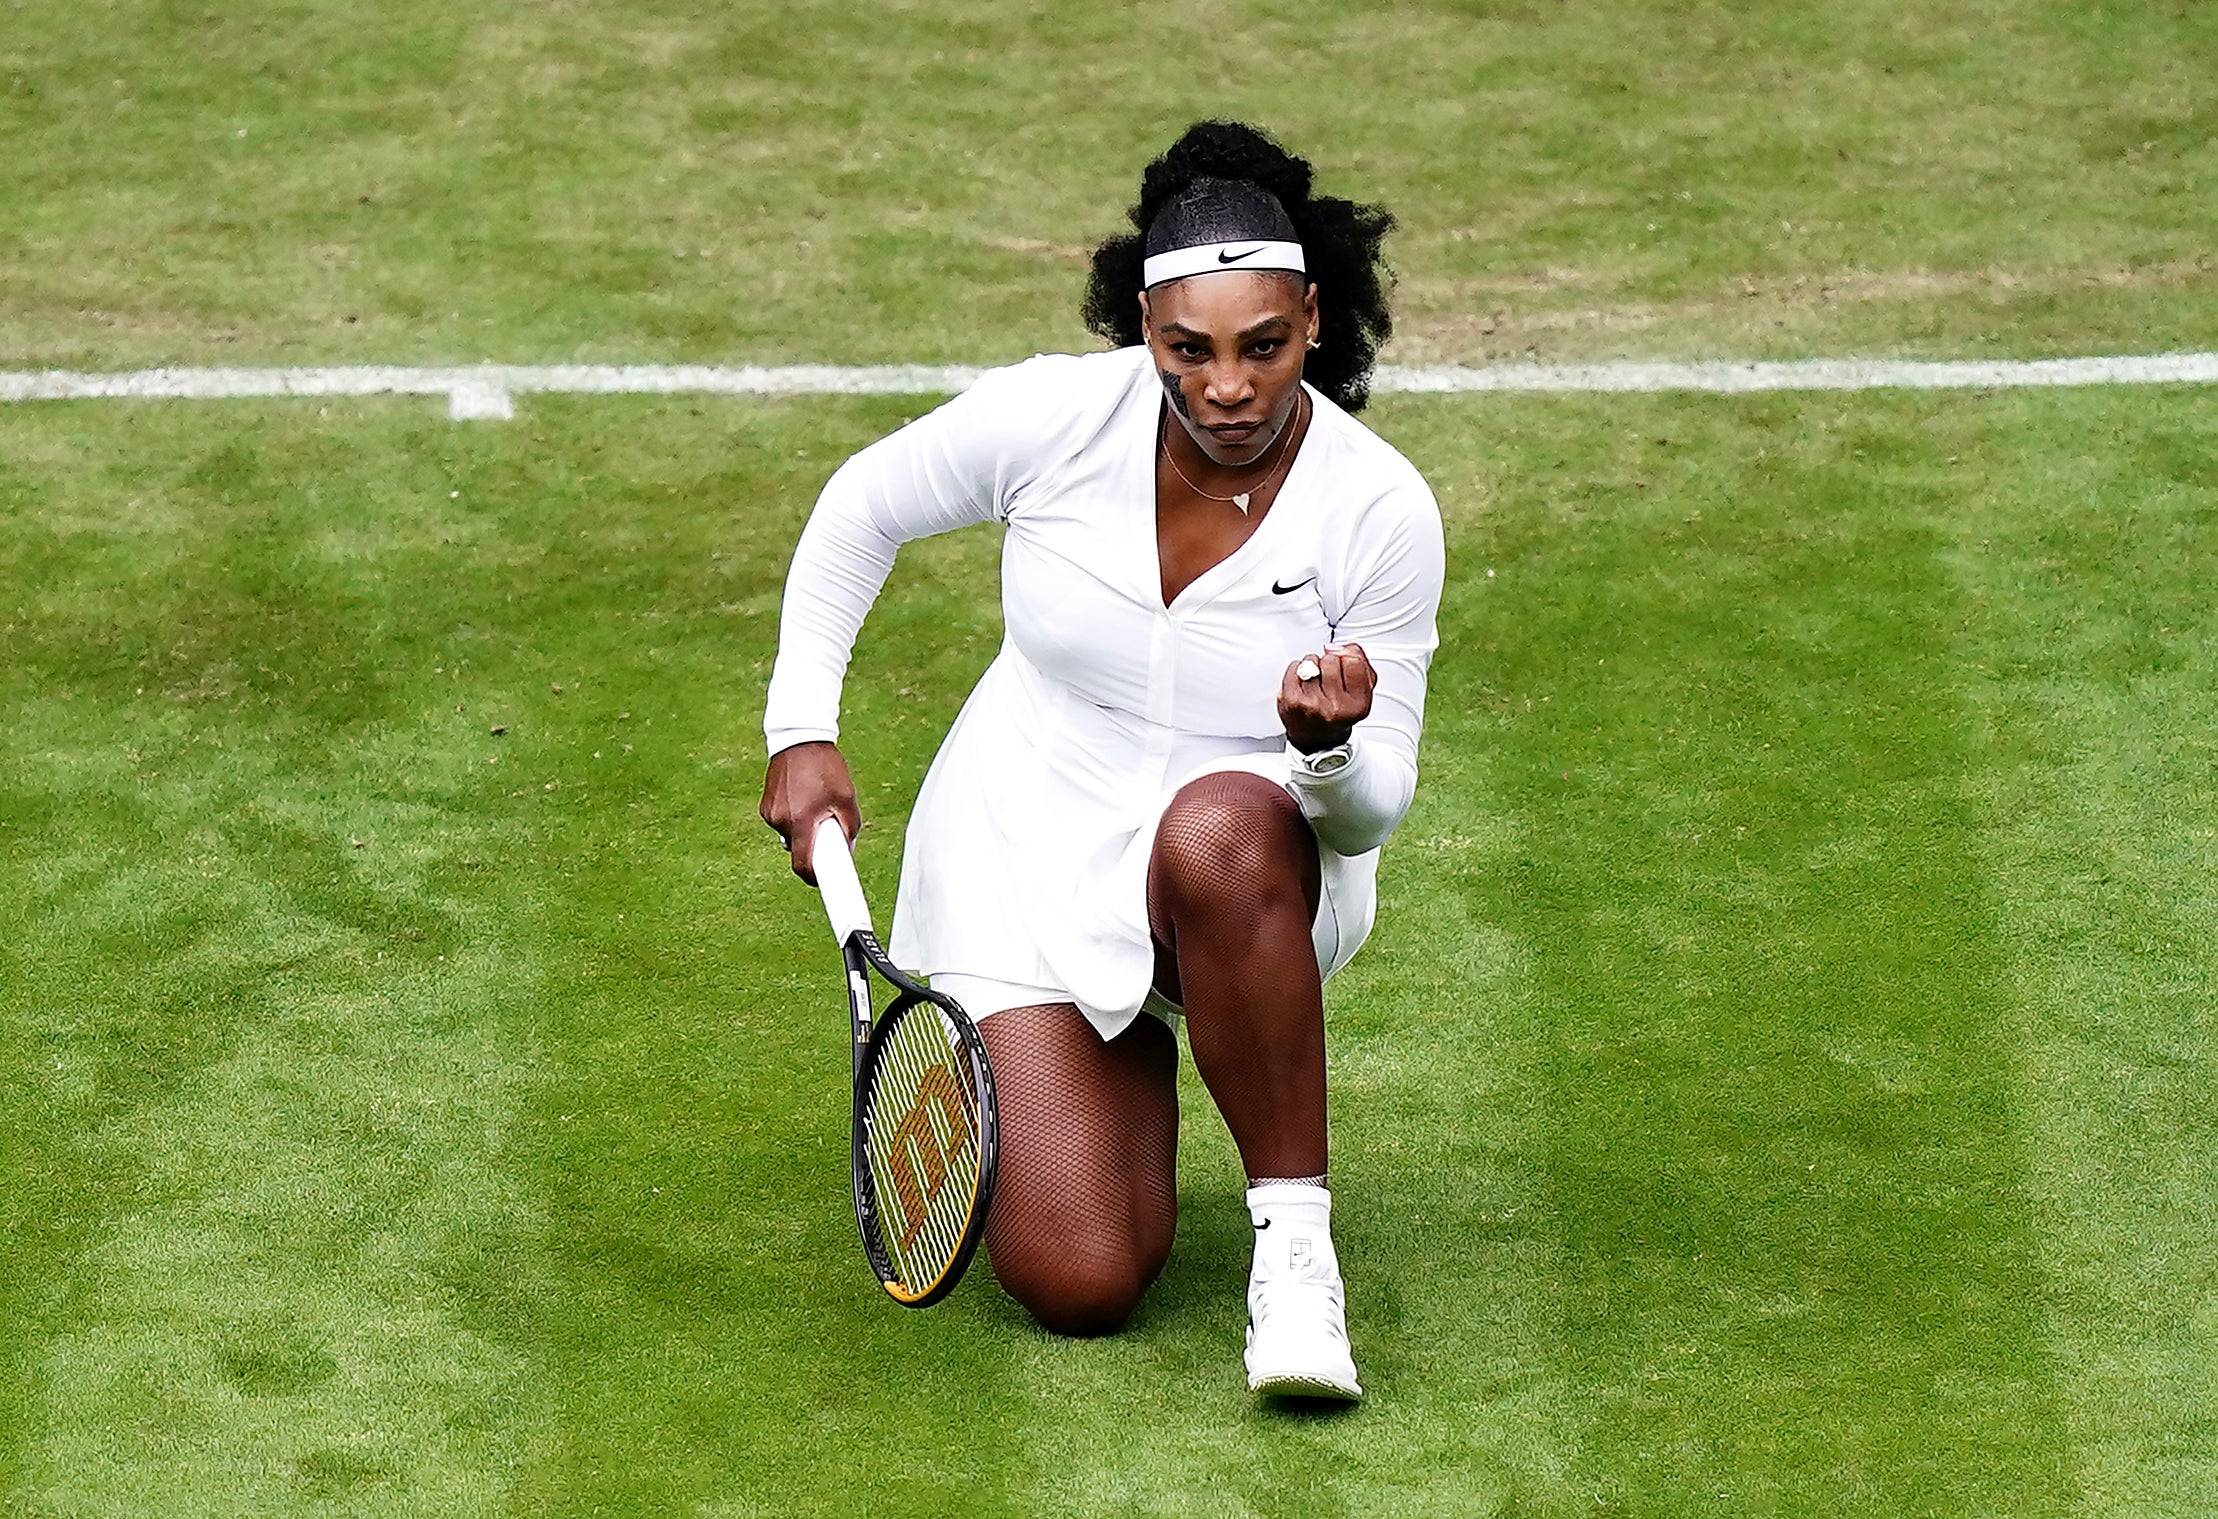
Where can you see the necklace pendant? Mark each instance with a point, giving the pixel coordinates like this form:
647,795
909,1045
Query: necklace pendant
1241,501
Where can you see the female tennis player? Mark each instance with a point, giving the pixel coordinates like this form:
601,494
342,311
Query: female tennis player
1168,792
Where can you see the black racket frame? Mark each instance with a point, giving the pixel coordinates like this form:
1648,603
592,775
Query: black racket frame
862,956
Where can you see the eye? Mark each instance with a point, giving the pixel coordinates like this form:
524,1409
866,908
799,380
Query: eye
1190,351
1265,347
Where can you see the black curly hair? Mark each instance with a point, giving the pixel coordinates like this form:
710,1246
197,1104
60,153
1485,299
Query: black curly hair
1340,243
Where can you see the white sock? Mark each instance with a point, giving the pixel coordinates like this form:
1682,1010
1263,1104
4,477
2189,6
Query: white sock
1293,1226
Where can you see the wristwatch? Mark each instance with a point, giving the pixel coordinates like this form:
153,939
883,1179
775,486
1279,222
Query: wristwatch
1325,763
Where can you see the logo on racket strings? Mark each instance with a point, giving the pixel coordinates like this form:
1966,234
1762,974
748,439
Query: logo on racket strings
918,1155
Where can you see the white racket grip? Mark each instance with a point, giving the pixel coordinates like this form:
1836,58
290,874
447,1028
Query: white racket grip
836,878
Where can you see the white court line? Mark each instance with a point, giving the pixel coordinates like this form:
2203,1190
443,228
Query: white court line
489,390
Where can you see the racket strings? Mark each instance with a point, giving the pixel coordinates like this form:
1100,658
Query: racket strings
930,1156
921,1119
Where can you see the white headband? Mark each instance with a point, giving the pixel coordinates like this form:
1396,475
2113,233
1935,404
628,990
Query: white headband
1211,257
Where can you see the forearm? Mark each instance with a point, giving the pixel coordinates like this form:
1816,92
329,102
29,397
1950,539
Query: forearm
838,569
1354,809
1393,620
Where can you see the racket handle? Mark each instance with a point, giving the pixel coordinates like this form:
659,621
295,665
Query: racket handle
836,878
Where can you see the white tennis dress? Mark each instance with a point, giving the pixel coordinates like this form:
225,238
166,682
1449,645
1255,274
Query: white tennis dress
1025,875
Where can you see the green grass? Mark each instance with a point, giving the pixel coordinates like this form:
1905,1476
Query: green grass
1782,1080
295,180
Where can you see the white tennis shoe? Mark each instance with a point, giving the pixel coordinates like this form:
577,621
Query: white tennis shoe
1297,1308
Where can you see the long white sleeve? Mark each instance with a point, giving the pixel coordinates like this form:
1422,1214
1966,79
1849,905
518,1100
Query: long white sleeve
951,468
1394,615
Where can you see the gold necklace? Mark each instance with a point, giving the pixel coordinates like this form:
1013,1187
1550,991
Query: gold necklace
1285,444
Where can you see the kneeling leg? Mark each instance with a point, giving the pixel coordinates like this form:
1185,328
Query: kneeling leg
1086,1202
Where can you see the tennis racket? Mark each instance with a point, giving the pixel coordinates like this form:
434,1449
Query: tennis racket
925,1130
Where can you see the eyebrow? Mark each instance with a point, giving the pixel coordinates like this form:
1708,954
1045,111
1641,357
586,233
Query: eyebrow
1258,330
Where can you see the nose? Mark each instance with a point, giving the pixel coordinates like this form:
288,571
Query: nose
1228,386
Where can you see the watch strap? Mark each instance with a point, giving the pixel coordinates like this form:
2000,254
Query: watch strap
1325,762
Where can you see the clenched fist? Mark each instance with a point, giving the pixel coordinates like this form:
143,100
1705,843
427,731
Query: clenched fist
1323,696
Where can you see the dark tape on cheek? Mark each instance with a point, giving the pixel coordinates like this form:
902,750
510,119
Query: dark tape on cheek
1172,389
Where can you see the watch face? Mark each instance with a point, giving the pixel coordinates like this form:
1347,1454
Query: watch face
1327,761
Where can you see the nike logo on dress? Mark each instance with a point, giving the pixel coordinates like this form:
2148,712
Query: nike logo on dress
1288,590
1224,257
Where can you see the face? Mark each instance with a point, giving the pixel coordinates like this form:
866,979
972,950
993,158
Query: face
1229,348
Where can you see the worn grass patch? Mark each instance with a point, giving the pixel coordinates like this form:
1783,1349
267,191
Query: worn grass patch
288,181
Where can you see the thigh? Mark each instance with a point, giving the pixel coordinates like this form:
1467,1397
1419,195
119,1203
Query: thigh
1085,1204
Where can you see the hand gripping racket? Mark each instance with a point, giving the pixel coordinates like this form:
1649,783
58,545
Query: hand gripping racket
925,1132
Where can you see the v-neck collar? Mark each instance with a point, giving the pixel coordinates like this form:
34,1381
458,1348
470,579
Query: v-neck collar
1203,587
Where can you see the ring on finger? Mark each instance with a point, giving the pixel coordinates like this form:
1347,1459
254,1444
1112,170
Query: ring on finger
1308,670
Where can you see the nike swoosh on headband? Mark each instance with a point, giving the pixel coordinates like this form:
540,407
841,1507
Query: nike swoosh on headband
1288,590
1206,258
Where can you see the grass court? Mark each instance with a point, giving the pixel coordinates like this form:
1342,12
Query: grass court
1782,1080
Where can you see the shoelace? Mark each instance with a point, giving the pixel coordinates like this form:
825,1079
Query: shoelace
1274,1293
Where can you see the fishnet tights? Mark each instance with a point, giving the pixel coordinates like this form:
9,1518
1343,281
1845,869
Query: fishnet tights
1233,887
1087,1200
